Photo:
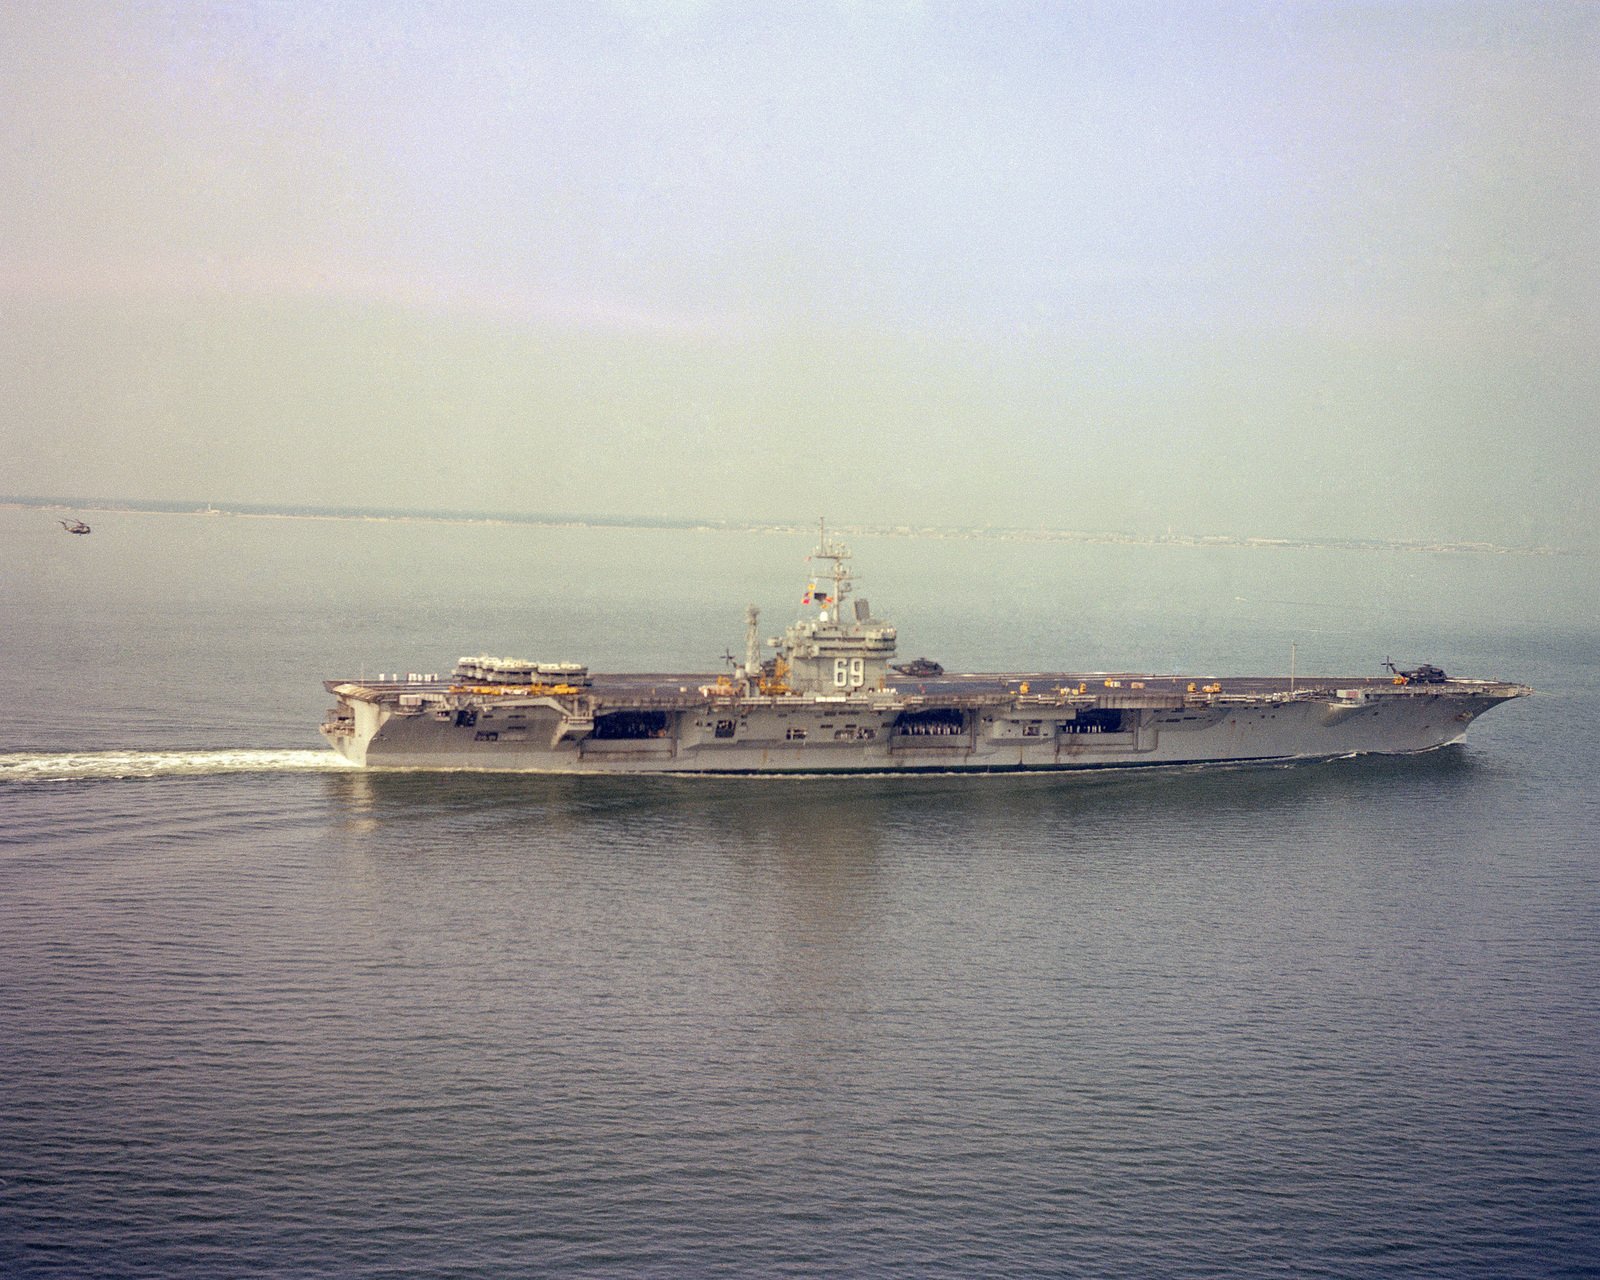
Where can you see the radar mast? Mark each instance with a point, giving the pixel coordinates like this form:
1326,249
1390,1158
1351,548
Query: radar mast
839,574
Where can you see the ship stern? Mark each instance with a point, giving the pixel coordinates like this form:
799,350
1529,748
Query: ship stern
351,723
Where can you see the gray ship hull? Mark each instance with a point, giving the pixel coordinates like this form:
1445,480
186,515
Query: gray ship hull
687,725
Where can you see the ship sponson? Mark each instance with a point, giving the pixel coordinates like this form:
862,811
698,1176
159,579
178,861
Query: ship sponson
827,701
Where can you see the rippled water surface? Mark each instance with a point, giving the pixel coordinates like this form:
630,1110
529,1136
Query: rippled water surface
262,1014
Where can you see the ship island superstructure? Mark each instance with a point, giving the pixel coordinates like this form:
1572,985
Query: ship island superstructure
829,700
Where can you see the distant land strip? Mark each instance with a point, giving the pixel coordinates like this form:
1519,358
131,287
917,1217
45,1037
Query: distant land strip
789,528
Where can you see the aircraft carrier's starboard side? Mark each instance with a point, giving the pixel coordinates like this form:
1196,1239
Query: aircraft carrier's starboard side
829,701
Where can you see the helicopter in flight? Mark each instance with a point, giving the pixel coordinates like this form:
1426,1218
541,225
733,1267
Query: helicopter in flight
74,526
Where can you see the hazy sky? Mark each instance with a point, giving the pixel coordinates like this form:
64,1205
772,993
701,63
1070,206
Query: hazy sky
1275,269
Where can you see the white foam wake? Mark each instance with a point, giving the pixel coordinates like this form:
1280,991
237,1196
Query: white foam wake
66,766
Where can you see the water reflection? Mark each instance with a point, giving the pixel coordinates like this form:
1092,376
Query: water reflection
823,826
797,884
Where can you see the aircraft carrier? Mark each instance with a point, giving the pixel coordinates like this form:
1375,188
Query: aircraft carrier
828,699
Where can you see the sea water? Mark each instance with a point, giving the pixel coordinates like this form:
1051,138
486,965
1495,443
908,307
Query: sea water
264,1014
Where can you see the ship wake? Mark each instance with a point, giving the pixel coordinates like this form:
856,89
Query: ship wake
71,766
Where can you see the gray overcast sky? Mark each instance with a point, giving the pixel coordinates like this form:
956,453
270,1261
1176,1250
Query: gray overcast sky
1263,269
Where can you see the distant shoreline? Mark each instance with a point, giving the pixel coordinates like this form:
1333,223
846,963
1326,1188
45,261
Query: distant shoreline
788,529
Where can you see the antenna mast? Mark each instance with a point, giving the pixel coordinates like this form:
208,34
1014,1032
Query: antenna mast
838,553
